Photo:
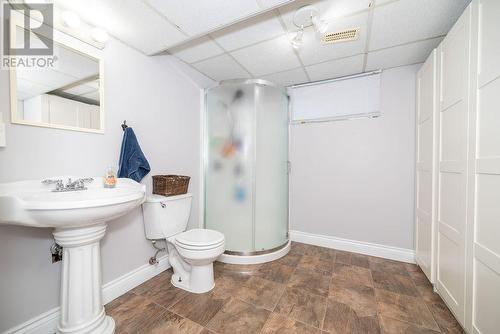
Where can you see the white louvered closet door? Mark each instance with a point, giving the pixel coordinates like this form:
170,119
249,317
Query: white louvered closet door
486,243
454,56
424,199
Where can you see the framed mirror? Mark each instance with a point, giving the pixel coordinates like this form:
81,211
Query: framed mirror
67,95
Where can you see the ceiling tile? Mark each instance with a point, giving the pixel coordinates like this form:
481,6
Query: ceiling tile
200,16
95,95
405,21
381,2
272,3
401,55
250,31
271,56
288,78
27,88
198,78
74,64
220,68
200,48
329,9
313,51
46,77
336,68
80,90
133,22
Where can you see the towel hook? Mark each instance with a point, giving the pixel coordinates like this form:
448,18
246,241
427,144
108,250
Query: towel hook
124,125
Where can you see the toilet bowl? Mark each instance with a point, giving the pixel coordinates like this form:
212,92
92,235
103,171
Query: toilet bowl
190,253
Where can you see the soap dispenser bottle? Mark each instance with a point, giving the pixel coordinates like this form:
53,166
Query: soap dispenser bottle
110,178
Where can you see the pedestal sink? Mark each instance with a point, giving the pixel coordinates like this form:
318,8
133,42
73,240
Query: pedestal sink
79,221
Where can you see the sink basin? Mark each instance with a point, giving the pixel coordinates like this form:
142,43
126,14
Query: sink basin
79,221
32,203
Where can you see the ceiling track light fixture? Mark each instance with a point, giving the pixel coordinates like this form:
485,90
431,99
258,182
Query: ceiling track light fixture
304,17
298,40
320,25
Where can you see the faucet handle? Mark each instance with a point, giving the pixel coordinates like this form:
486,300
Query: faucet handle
59,183
51,181
80,183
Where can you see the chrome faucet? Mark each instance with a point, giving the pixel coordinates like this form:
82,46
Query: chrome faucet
78,184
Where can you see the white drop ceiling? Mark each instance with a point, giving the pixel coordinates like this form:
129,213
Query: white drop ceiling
152,26
228,39
71,67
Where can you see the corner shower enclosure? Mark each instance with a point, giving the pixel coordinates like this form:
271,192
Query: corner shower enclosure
246,166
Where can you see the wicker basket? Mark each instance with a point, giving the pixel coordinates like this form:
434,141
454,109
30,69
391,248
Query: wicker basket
170,185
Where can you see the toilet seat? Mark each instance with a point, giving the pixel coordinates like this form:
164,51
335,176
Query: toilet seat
199,239
198,248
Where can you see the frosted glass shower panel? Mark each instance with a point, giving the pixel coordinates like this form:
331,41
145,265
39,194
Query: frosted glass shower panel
246,172
271,168
230,164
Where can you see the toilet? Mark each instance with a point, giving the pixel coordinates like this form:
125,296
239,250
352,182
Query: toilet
191,253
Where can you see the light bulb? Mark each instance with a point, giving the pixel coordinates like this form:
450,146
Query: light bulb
70,19
99,35
320,25
298,40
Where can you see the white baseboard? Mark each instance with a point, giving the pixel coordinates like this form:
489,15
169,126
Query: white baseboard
46,323
130,280
388,252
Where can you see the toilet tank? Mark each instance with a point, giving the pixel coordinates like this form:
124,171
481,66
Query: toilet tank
166,216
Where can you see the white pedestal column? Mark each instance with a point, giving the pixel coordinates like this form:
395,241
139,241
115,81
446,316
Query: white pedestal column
82,311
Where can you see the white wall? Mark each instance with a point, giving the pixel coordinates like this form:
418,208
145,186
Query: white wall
355,179
162,105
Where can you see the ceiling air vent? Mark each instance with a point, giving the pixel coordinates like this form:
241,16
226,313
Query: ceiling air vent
340,36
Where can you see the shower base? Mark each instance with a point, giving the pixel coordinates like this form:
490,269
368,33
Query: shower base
255,257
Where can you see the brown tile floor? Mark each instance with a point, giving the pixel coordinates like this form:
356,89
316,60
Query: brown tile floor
311,290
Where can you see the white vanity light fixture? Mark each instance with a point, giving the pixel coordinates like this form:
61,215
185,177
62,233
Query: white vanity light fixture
71,24
70,19
99,35
305,17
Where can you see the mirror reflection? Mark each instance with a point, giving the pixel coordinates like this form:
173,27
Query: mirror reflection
66,95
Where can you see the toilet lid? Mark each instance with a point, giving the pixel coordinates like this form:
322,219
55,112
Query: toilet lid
200,237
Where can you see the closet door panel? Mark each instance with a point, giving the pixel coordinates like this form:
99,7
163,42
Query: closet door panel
453,125
452,200
486,262
489,34
425,193
424,220
489,120
455,51
452,185
487,295
425,144
450,267
427,89
488,212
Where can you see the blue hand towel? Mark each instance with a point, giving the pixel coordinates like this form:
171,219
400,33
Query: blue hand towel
133,163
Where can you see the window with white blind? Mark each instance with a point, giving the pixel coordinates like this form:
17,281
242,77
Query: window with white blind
338,99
